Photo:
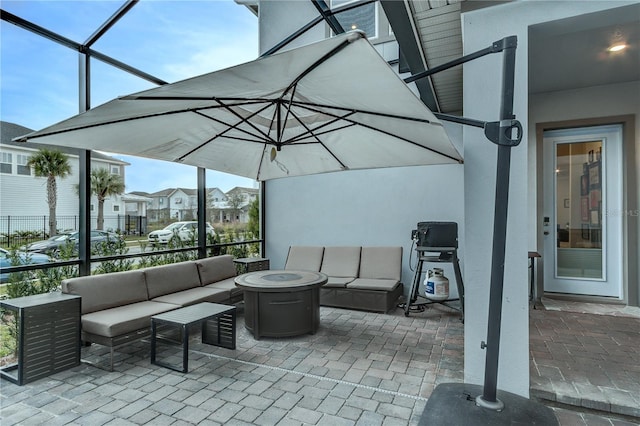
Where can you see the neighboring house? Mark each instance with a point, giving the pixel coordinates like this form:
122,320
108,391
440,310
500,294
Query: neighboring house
182,204
23,195
234,207
565,79
173,204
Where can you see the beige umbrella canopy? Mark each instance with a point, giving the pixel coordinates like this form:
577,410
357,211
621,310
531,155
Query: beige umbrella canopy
328,106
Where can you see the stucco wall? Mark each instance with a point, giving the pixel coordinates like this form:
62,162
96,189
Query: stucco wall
368,208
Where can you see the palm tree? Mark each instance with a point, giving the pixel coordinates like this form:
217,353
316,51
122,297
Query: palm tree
103,185
50,164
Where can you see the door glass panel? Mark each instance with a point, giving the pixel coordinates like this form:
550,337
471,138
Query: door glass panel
579,196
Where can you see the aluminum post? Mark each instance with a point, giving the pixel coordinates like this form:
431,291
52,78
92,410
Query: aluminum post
202,213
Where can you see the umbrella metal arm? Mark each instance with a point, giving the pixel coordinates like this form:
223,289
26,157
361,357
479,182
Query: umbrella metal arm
507,131
510,128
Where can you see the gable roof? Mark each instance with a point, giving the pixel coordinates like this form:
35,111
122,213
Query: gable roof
9,131
243,189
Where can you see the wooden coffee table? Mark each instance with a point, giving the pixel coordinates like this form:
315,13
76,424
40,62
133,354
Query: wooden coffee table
281,303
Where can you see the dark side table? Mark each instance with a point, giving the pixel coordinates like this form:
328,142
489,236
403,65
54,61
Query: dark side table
251,264
218,325
48,335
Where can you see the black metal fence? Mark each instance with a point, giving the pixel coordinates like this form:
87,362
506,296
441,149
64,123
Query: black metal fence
20,230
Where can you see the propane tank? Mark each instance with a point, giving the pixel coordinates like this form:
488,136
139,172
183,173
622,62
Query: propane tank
436,285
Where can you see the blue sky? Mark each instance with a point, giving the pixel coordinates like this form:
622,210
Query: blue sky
171,40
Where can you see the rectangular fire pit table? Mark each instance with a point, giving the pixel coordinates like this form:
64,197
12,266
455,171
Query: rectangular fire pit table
218,328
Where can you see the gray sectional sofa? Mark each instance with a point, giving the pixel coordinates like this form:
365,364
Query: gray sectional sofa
364,278
117,308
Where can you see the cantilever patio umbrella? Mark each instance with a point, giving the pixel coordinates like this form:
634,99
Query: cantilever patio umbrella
329,106
333,105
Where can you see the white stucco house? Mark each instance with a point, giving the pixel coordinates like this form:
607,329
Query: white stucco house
23,197
575,123
173,204
234,205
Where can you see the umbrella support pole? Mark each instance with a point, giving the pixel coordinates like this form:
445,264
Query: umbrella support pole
461,403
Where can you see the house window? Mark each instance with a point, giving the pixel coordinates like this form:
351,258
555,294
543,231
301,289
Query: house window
161,201
23,168
5,163
361,18
115,170
91,208
116,208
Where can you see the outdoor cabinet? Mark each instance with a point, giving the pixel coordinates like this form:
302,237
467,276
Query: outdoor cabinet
47,328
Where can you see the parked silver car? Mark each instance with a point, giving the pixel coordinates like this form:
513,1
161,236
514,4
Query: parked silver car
185,231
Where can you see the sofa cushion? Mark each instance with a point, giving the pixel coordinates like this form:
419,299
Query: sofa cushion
123,319
194,295
171,278
107,290
338,281
217,268
373,284
341,261
381,262
304,258
229,285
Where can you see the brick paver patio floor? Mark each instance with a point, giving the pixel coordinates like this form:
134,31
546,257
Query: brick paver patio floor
359,369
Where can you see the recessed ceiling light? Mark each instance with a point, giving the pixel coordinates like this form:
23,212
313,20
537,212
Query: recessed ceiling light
617,47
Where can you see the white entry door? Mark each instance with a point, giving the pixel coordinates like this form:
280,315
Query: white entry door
583,213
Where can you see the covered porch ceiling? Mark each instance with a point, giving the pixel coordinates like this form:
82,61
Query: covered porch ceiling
563,55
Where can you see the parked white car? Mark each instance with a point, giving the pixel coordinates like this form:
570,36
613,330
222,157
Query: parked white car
186,231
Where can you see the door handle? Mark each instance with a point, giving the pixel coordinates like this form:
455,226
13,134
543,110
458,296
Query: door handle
546,232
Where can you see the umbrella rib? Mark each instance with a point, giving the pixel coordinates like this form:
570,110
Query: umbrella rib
306,106
235,126
194,98
312,132
289,103
246,120
317,139
124,120
317,63
379,114
299,137
228,129
273,117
